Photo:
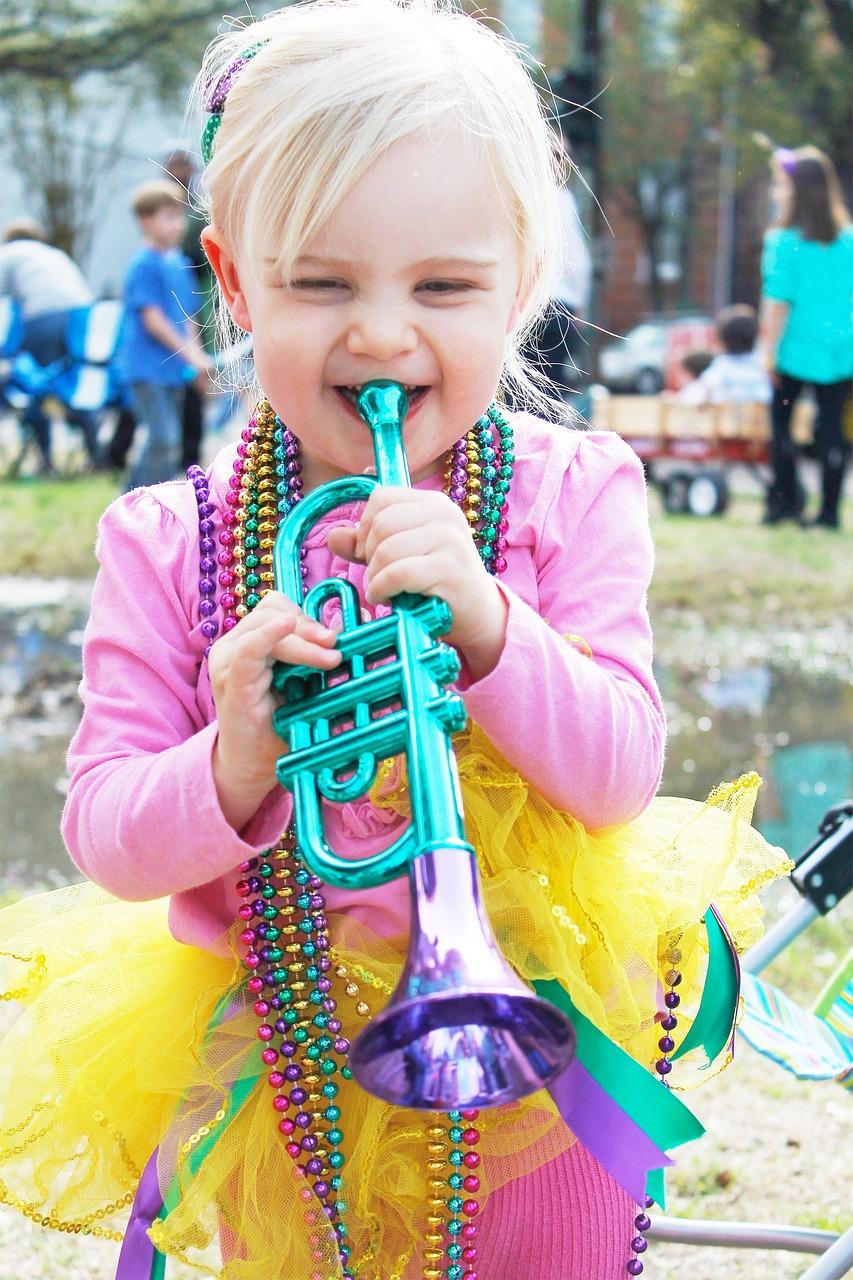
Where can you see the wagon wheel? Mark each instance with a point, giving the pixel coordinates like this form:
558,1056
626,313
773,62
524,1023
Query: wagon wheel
707,493
674,492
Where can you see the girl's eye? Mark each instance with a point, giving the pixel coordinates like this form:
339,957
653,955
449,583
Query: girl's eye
445,286
320,285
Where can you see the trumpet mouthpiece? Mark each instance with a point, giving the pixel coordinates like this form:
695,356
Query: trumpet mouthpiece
382,401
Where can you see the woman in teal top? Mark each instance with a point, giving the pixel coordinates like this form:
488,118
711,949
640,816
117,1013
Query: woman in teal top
807,323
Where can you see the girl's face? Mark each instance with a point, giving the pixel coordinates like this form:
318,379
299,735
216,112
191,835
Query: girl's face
415,278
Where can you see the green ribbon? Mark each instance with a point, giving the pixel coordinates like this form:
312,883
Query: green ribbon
657,1111
238,1094
715,1018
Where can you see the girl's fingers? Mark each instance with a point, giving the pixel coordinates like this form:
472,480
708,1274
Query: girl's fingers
416,574
404,544
290,638
258,630
399,520
299,651
278,604
388,508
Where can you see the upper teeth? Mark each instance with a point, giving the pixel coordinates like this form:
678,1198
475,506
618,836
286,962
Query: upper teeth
357,388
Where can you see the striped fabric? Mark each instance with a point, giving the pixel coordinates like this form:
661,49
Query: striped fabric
811,1047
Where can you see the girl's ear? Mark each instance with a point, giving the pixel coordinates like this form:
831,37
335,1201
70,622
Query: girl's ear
519,304
225,269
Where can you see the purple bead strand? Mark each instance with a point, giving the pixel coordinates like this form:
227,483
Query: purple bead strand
207,563
640,1244
663,1067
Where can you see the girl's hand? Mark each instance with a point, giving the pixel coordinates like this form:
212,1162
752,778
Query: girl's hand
240,666
419,541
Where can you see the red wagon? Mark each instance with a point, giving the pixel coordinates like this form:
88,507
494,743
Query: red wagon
688,450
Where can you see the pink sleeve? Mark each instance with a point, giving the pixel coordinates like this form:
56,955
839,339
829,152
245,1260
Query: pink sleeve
142,817
588,733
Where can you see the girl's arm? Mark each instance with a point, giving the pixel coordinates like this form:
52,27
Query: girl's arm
142,817
778,275
774,317
185,344
586,732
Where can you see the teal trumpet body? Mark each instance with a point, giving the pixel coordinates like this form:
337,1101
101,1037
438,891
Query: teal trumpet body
461,1029
394,697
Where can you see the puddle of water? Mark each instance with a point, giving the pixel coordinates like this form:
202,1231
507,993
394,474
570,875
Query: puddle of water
729,710
791,726
41,631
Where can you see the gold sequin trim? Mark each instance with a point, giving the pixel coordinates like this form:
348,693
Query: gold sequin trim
36,974
559,912
19,1128
86,1226
203,1132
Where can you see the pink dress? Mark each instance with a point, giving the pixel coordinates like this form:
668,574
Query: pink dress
588,734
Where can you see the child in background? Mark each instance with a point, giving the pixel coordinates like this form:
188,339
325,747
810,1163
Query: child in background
160,349
737,375
382,199
694,364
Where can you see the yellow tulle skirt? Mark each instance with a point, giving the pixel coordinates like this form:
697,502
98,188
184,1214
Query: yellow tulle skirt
112,1054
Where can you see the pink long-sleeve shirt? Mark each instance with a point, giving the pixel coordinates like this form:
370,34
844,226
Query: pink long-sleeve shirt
142,817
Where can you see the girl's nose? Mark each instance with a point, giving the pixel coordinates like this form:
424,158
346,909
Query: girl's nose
381,333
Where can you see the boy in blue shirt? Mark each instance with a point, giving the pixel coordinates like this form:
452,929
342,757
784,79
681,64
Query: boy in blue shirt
160,350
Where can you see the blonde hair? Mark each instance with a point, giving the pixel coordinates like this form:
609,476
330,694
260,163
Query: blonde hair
333,84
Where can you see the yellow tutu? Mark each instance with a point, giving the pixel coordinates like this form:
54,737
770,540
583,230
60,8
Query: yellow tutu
112,1054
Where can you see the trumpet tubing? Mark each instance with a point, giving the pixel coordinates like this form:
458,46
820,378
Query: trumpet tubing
461,1029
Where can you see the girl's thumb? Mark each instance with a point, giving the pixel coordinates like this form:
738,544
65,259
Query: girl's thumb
341,542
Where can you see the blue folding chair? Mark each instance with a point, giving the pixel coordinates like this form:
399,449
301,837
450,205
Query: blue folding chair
83,381
11,334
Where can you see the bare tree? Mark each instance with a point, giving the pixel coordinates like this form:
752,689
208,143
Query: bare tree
52,40
72,72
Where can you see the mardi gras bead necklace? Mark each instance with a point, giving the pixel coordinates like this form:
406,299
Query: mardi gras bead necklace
285,931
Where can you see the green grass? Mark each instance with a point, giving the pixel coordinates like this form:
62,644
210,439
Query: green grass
730,569
47,527
735,571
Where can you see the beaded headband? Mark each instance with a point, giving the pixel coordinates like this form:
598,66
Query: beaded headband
215,94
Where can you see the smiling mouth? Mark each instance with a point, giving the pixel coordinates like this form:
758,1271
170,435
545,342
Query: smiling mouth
351,394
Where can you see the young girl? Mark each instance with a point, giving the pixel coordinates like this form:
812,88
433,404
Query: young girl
382,204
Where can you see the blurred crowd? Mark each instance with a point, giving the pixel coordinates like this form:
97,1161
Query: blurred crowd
164,363
162,358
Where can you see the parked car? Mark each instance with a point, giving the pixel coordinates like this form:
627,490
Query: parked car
648,358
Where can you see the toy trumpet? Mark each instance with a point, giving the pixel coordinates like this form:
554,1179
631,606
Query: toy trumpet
461,1029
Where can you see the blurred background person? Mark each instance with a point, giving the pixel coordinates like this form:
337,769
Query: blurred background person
807,324
736,375
47,285
692,365
160,349
556,345
182,166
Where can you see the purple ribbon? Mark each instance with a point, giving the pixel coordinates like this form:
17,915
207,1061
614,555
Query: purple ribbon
137,1252
608,1133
